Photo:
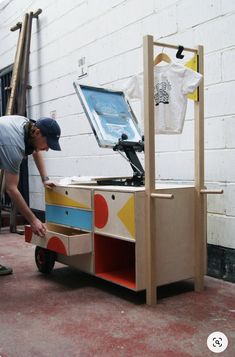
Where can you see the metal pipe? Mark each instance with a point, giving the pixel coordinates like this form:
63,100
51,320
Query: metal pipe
17,67
160,44
21,107
37,13
16,27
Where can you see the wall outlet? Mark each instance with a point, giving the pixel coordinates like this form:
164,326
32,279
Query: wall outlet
82,67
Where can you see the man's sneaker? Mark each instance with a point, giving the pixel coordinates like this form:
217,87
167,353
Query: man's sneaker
5,270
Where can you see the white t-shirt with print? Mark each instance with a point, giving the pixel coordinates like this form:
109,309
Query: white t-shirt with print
172,83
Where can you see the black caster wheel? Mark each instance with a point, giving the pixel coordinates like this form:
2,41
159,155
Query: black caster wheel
45,259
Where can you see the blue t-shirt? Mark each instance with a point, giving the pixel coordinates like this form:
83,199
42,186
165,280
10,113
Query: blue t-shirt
12,145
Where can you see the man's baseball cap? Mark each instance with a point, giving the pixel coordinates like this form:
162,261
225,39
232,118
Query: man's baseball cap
51,130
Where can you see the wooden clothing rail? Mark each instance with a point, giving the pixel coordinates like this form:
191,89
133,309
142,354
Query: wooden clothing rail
167,45
151,196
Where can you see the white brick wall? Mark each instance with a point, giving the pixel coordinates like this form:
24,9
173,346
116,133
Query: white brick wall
109,33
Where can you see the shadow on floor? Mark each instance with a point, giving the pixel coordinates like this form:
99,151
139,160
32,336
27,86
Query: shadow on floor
72,279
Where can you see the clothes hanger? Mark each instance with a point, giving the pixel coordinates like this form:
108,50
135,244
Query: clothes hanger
161,57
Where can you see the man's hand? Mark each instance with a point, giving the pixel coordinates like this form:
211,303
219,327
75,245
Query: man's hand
49,184
38,228
12,181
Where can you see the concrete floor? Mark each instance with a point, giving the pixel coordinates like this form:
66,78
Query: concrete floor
68,313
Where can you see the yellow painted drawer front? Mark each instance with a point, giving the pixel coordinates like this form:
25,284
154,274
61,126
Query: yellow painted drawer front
114,214
69,196
62,240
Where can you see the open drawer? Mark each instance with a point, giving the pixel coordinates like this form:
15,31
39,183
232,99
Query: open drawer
63,240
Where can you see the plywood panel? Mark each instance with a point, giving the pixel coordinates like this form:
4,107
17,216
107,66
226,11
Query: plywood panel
69,196
175,231
114,214
72,217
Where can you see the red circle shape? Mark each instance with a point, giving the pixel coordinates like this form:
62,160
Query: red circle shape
101,211
56,245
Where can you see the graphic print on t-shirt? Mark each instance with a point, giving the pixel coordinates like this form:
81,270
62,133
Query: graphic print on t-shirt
172,83
161,92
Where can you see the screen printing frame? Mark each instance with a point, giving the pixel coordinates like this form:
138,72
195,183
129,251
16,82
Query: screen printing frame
95,118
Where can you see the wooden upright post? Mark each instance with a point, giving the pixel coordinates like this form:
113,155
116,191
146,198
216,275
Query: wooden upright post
200,206
150,234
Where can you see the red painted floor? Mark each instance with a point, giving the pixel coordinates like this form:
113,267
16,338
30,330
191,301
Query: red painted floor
69,313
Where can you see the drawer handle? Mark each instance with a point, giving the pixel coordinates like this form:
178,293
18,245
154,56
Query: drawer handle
113,197
67,212
66,192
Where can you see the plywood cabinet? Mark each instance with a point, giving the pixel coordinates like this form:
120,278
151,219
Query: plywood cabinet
106,237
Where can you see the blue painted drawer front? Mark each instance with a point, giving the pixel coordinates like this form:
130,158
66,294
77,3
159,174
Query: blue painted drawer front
72,217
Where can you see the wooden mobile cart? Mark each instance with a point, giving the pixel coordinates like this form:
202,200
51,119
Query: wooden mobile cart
137,237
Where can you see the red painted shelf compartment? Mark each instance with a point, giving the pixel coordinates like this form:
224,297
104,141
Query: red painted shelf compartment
115,260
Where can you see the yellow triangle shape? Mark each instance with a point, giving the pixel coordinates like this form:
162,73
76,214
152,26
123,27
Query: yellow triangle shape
127,216
56,198
192,64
